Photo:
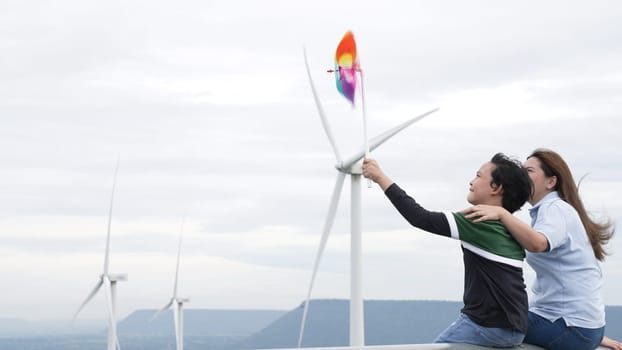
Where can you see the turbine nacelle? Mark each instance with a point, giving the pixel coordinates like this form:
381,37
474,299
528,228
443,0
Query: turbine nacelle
116,277
355,168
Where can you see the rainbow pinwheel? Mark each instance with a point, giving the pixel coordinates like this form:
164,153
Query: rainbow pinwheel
346,66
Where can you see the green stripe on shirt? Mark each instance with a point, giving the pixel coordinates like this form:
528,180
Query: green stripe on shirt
490,236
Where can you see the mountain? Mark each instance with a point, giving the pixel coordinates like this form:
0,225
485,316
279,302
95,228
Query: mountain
199,322
613,317
386,322
203,329
15,327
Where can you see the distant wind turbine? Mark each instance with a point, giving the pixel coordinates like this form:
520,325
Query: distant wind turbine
353,167
109,281
179,302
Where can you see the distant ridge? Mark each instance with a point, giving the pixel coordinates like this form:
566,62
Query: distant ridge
199,322
386,322
16,327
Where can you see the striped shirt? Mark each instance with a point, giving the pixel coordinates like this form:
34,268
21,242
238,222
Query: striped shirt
494,289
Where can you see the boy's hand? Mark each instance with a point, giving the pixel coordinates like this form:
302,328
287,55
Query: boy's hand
372,171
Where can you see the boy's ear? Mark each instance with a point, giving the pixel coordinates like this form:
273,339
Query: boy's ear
497,189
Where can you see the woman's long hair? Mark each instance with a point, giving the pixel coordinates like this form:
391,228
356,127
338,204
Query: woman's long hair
554,165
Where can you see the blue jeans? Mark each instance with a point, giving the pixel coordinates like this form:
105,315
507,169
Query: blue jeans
463,330
557,335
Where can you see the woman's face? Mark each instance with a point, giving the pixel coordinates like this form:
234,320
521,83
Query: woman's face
542,184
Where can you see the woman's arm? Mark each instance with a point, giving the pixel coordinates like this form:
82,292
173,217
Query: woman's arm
526,236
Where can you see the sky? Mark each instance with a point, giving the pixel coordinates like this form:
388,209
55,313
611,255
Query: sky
207,108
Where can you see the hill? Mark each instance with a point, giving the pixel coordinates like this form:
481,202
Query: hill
16,327
386,322
199,322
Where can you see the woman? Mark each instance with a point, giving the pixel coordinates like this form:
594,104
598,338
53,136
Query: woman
564,248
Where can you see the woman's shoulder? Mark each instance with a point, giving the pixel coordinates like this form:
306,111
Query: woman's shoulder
557,204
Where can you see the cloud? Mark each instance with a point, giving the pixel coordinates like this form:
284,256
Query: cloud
208,109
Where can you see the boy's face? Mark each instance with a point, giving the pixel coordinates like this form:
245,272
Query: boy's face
480,188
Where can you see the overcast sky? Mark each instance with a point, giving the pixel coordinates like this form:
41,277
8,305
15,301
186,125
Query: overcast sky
207,106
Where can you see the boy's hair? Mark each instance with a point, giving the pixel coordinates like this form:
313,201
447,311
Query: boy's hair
517,186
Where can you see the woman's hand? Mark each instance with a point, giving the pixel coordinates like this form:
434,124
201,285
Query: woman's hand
482,212
610,343
526,236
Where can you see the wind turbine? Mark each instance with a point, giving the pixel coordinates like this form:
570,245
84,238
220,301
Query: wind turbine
178,311
351,166
109,282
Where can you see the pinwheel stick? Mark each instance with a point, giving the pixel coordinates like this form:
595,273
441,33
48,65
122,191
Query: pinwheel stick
365,139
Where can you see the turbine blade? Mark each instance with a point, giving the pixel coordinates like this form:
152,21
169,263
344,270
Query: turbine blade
114,185
320,110
328,224
89,297
380,139
161,310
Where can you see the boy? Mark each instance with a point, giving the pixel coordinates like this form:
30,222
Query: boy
495,300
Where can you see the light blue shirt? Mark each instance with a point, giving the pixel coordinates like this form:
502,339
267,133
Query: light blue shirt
568,276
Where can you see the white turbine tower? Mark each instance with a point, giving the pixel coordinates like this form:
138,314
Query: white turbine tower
109,281
353,167
179,302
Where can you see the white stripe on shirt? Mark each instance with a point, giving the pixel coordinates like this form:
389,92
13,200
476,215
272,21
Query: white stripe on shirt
491,256
453,227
